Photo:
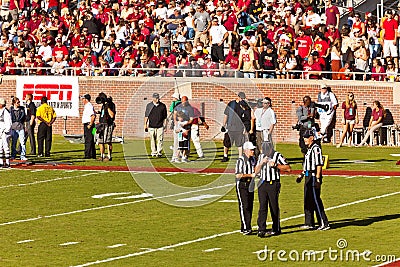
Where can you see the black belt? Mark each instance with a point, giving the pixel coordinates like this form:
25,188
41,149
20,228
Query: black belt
246,180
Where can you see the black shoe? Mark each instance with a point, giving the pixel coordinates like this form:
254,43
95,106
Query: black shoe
261,234
225,159
47,155
271,233
247,232
6,166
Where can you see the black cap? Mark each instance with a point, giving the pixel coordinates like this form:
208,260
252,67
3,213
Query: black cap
242,95
315,53
156,95
308,133
87,96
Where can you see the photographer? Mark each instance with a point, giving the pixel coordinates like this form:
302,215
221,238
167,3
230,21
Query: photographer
306,115
106,125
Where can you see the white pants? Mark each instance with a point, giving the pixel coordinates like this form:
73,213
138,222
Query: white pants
156,140
195,135
4,147
370,133
325,120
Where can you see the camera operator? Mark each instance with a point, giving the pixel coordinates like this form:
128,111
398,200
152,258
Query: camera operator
106,125
306,114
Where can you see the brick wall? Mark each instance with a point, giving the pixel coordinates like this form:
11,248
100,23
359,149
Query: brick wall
132,94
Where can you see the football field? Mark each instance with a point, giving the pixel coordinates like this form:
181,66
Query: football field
109,217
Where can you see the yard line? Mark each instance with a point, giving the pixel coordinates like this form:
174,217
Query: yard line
112,205
211,249
47,181
222,234
25,241
69,243
116,246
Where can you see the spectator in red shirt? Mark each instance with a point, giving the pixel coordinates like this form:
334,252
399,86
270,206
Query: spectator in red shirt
312,70
241,12
320,45
232,62
9,66
332,14
60,50
389,34
76,65
303,44
209,67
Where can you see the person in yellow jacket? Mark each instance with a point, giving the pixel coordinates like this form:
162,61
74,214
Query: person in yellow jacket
46,117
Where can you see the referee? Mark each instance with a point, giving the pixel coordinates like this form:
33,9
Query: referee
244,171
312,171
270,164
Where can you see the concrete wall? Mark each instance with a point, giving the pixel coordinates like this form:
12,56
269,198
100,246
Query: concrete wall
211,95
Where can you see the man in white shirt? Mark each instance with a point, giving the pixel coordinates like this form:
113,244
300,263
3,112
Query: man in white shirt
218,35
88,118
5,134
265,123
46,52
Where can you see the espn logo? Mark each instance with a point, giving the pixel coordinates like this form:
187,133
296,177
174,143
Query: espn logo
53,92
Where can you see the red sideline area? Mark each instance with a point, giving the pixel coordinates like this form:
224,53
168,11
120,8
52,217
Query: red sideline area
392,264
182,168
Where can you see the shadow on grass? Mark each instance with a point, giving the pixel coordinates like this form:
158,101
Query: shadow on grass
363,222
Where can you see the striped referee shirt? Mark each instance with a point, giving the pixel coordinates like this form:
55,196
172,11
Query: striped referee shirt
268,173
244,166
313,158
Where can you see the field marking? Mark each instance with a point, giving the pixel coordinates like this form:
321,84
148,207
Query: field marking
110,195
112,205
25,241
228,201
143,195
116,246
198,198
222,234
211,249
69,243
48,181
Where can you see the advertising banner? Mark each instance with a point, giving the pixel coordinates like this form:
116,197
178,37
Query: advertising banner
62,92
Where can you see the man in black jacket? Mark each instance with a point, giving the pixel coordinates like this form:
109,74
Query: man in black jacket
155,119
268,62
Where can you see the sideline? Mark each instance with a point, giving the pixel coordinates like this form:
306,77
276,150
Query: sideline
150,250
196,170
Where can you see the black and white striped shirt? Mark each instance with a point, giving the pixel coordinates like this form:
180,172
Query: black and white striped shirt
268,173
313,158
244,165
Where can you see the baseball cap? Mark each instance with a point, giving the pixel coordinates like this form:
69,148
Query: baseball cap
270,46
207,56
308,133
245,42
2,101
199,48
242,95
248,145
87,96
156,95
323,85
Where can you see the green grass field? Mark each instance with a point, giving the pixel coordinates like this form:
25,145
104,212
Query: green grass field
100,218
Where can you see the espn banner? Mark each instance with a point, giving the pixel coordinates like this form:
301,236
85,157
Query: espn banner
62,92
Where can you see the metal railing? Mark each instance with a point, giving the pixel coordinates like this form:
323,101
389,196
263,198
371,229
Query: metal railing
184,72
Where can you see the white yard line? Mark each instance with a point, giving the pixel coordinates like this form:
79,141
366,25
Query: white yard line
25,241
116,246
47,181
211,249
112,205
221,234
69,243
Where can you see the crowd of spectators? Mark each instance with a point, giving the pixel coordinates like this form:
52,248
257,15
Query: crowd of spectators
283,39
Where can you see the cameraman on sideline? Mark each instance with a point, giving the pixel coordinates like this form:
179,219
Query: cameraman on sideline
306,114
106,125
